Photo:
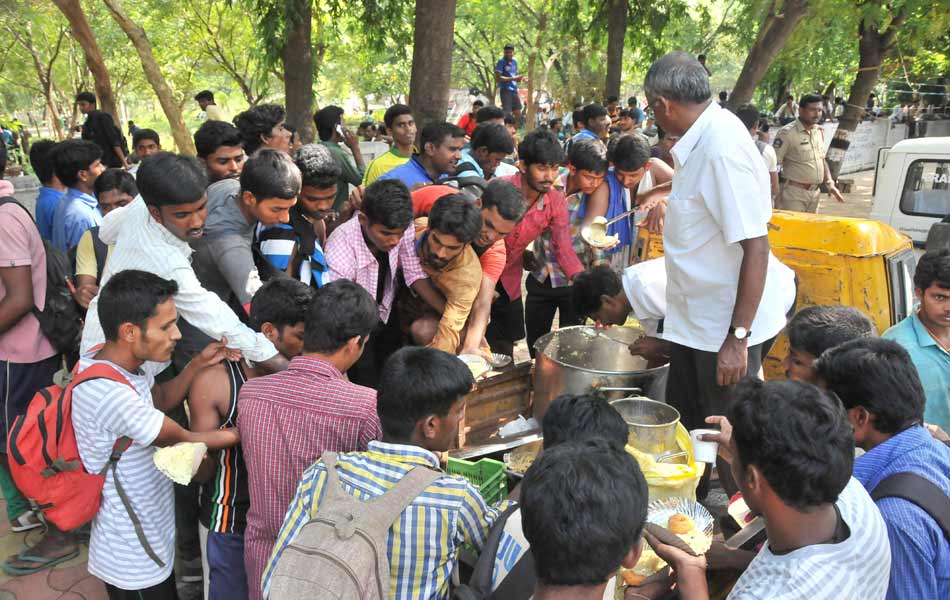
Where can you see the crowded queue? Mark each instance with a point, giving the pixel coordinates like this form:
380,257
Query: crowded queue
299,312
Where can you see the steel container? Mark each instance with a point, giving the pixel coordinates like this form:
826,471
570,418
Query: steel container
652,424
575,360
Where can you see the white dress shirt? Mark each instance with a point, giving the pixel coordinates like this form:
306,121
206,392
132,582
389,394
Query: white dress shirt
142,243
644,284
721,195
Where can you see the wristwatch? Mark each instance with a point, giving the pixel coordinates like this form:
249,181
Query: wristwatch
740,333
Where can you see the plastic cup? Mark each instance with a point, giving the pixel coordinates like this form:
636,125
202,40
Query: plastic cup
704,451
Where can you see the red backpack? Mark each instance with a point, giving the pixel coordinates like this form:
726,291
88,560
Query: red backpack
45,462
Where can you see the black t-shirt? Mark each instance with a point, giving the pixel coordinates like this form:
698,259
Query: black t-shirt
100,129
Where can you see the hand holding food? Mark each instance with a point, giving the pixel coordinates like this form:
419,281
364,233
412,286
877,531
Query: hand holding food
181,461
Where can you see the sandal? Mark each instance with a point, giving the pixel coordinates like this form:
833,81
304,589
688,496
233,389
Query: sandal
42,562
27,521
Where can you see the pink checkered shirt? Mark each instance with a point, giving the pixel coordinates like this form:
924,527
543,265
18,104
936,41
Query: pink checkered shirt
348,257
287,420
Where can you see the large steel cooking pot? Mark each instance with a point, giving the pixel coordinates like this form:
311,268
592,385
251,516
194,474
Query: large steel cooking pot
575,360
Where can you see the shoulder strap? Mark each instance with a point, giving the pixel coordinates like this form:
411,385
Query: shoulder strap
101,251
391,504
920,491
12,200
481,578
104,371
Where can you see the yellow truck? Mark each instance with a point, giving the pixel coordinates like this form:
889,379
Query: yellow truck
837,260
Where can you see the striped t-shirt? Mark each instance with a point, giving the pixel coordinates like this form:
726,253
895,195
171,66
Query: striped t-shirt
104,411
858,567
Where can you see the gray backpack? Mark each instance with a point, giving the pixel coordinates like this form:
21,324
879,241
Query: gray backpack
340,554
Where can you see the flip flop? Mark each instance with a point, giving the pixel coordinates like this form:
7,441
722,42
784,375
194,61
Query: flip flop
42,562
25,523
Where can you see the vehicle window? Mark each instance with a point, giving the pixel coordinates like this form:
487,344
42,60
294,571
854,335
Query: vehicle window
926,189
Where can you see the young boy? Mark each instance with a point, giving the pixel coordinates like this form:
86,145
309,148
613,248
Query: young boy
791,450
569,419
221,150
444,245
549,289
51,191
145,143
369,249
583,508
421,402
289,419
817,328
297,247
115,188
926,333
138,316
545,209
278,310
77,164
878,384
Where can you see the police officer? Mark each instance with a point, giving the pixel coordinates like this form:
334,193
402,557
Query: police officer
800,149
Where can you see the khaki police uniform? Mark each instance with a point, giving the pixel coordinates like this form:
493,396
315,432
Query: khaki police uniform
801,153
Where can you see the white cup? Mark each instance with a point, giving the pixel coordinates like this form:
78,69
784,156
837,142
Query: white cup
703,451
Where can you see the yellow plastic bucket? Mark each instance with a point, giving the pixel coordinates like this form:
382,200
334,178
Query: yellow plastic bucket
669,480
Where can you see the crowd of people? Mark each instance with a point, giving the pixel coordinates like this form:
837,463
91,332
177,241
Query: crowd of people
308,308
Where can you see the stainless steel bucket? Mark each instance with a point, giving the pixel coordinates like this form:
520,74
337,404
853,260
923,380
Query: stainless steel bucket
652,424
576,360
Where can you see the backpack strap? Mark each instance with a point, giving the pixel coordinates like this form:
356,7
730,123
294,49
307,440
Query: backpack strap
104,371
386,508
920,491
481,579
101,251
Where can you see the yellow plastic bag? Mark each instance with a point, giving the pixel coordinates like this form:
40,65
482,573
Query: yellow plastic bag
669,480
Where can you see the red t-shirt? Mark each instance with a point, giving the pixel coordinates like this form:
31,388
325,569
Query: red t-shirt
493,261
425,197
467,122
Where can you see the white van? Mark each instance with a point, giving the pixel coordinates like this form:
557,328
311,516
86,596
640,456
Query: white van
912,186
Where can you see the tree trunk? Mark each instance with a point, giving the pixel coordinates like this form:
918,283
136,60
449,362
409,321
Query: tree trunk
779,25
431,76
153,74
297,56
616,32
73,11
873,47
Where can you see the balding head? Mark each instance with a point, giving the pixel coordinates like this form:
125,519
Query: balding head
678,77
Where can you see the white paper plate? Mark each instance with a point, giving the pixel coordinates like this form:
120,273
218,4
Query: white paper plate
476,364
609,241
660,511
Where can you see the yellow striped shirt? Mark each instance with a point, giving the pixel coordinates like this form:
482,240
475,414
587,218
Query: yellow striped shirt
423,543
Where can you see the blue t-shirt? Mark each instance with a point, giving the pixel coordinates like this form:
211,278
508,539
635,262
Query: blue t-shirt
933,366
411,172
508,69
46,204
77,212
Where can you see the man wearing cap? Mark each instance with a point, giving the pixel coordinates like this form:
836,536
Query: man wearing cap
506,75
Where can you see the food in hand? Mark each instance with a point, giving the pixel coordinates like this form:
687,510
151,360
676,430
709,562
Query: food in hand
631,578
181,461
680,523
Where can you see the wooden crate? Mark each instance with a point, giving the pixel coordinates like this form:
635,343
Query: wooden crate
496,400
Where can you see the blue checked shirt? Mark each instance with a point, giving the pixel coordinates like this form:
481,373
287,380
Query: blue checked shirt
920,554
423,543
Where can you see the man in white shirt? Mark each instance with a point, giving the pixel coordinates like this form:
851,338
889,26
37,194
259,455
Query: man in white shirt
152,233
749,115
721,306
640,292
792,451
137,312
